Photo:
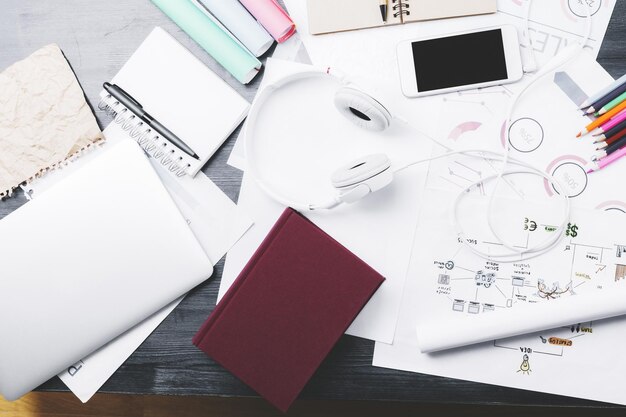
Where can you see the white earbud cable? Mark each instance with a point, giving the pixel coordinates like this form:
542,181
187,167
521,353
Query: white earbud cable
516,254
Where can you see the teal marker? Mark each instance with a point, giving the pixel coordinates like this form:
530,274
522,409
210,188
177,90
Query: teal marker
212,38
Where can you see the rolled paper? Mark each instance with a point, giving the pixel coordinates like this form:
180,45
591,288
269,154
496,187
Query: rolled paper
241,24
220,44
273,18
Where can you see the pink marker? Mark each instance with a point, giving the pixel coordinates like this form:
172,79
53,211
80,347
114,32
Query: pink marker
619,118
608,160
273,18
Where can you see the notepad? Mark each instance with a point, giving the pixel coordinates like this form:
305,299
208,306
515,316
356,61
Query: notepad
327,16
90,258
181,93
291,303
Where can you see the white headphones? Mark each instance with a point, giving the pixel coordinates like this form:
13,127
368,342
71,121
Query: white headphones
371,173
356,179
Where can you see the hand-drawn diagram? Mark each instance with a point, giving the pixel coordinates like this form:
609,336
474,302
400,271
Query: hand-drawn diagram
483,287
473,286
541,133
560,22
576,8
526,135
571,173
612,206
524,368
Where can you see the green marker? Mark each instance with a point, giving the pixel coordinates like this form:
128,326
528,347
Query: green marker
212,38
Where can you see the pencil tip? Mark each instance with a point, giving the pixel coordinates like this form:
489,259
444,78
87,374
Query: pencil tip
590,110
579,134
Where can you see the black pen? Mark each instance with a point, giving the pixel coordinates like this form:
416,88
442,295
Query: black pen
131,104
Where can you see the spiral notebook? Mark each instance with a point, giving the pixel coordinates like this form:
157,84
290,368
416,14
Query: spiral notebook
327,16
185,96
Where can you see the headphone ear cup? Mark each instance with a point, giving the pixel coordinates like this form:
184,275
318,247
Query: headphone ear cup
362,110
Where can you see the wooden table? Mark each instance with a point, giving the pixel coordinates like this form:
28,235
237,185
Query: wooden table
97,37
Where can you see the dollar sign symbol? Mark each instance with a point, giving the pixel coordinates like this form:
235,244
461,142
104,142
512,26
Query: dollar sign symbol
574,231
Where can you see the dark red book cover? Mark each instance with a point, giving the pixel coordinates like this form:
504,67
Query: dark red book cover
297,295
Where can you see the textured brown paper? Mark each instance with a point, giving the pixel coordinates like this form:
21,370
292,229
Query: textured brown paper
44,118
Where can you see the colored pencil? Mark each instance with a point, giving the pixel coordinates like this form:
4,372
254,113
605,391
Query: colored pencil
604,162
605,144
384,5
611,149
599,104
616,121
610,138
602,120
606,90
612,104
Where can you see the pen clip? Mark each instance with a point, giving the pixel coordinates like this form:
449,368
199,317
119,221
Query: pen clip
109,86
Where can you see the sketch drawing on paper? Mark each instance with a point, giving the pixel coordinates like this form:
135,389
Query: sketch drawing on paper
524,368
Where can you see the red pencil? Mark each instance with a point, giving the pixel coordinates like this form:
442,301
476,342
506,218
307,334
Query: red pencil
611,138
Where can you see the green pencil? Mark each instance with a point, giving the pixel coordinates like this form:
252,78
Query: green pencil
612,104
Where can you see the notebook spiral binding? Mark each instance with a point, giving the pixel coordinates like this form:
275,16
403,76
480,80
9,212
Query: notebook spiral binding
401,8
26,186
158,148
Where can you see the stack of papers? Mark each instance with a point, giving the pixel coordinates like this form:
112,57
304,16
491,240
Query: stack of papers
442,281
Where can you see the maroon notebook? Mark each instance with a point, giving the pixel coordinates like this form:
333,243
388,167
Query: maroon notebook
291,303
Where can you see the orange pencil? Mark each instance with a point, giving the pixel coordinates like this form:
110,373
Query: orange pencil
601,120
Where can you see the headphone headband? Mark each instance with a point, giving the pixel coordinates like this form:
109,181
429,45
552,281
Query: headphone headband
355,105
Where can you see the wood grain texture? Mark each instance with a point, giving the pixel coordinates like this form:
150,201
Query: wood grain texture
45,404
98,37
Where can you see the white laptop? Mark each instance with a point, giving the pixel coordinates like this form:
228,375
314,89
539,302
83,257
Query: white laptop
87,260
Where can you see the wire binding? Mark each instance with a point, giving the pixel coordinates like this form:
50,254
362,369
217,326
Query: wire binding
401,8
151,142
58,165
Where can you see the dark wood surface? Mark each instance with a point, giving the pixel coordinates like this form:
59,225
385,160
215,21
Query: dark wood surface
97,37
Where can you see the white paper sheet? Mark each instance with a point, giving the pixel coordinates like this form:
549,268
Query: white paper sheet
544,134
563,361
378,229
465,299
290,50
580,372
87,376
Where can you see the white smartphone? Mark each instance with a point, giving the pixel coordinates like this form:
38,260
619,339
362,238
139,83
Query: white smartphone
460,61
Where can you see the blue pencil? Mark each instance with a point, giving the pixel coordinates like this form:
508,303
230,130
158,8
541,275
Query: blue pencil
607,90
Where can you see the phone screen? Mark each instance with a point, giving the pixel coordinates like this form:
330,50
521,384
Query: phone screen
459,60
